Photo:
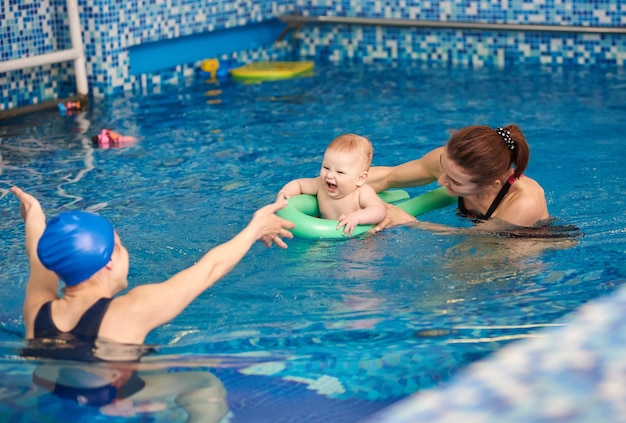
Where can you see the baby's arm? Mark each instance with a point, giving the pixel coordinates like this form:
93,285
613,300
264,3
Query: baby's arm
373,210
298,186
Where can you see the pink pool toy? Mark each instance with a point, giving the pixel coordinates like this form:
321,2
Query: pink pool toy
111,139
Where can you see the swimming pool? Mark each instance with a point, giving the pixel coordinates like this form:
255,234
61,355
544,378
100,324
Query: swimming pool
325,330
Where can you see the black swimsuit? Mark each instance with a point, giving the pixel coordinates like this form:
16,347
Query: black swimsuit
86,329
79,344
477,217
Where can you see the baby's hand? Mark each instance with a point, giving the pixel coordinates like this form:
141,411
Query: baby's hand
348,222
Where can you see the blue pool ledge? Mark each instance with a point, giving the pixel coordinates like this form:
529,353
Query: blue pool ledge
572,373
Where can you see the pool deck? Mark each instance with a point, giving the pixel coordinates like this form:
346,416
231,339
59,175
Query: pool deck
573,373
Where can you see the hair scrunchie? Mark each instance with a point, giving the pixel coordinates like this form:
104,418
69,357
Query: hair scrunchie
506,136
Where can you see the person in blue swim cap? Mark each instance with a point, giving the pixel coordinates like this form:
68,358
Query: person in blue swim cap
83,250
96,323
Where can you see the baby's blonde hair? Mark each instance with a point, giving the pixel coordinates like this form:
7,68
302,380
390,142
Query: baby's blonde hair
354,144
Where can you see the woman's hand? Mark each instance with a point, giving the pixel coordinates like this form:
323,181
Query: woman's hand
271,228
395,216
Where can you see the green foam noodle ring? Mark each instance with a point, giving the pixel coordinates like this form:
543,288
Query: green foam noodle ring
304,212
435,199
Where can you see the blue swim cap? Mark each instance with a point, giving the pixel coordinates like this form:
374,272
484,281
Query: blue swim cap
75,245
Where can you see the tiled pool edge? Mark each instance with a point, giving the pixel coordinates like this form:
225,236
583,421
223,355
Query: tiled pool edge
573,373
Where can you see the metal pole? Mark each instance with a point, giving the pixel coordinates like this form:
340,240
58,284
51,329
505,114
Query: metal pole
76,53
300,20
77,44
42,59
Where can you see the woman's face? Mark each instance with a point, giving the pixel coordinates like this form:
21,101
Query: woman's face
456,180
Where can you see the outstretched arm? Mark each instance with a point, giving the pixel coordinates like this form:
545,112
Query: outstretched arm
154,304
42,283
410,174
299,186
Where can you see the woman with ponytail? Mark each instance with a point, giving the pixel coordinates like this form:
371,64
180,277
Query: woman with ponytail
480,165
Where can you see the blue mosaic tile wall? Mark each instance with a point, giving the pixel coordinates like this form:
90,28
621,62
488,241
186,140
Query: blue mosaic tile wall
340,43
111,27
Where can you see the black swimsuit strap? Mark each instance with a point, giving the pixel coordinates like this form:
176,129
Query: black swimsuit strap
498,199
494,205
43,319
89,323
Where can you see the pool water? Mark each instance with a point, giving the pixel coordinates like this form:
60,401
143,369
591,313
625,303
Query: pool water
325,330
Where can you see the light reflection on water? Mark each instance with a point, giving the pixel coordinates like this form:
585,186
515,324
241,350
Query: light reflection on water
404,308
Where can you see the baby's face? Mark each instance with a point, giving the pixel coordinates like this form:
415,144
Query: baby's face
342,173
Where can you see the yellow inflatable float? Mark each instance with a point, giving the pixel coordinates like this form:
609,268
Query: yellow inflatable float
271,71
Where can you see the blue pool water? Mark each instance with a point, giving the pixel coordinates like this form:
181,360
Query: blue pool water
325,330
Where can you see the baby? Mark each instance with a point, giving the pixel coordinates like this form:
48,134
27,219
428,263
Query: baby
340,188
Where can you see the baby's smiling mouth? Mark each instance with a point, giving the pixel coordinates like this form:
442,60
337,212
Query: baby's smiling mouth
331,187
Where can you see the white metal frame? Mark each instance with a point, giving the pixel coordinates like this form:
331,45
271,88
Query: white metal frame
76,53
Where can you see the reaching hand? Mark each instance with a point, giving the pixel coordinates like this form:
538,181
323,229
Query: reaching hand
271,228
28,203
34,226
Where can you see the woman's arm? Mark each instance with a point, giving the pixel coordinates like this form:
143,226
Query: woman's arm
395,216
410,174
42,284
155,304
